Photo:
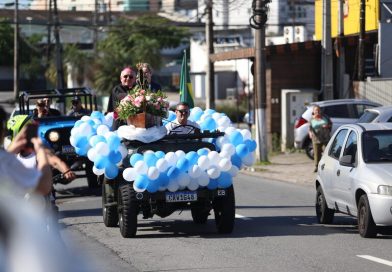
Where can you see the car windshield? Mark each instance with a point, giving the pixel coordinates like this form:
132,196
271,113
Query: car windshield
377,146
368,117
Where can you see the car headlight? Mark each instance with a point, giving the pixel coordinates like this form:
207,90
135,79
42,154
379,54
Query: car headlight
384,190
54,136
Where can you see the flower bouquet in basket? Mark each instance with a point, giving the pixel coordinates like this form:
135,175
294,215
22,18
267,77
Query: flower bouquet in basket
142,107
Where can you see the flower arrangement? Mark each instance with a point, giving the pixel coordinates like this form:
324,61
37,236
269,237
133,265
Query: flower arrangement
140,100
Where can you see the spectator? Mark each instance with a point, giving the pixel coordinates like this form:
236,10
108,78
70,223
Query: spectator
182,125
77,108
13,173
319,132
147,73
128,80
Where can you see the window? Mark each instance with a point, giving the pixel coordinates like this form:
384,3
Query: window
336,111
351,146
360,109
368,117
337,144
389,120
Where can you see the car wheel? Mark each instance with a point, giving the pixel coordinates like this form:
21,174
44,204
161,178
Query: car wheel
224,210
109,208
199,215
366,226
324,214
127,210
309,149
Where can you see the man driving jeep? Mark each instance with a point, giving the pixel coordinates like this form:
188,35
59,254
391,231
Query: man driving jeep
182,125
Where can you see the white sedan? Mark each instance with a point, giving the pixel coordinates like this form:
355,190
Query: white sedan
355,177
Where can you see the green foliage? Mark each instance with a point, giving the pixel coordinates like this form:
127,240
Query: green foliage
130,42
233,110
6,44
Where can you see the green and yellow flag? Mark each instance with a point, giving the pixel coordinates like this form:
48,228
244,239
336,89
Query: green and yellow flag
186,92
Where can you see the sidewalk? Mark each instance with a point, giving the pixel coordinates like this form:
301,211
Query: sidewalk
289,167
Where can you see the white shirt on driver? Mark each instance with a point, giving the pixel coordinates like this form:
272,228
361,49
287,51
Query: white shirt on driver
175,128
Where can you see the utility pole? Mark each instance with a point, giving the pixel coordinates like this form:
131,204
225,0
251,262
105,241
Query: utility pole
59,49
326,47
95,37
16,51
210,73
258,21
361,41
341,54
49,38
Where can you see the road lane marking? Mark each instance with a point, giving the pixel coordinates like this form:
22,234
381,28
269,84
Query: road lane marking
241,217
375,259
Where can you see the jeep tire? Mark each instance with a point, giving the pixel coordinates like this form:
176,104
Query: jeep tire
127,210
366,226
224,210
109,207
199,214
324,214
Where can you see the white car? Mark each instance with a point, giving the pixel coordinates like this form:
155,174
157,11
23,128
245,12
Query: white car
355,177
377,115
340,111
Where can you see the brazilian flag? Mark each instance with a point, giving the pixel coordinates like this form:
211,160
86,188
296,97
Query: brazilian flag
186,92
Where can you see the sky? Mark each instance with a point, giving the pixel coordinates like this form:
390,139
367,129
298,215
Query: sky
23,4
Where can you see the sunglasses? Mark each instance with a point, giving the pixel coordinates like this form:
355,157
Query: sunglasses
127,76
183,111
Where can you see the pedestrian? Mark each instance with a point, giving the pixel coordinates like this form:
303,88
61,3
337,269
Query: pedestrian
147,74
182,125
319,132
128,79
77,109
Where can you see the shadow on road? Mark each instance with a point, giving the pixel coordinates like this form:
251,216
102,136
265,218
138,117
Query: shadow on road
80,213
77,192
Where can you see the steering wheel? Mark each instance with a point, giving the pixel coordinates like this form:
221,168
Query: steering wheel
178,129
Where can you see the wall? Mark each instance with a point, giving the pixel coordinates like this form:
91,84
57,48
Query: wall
377,90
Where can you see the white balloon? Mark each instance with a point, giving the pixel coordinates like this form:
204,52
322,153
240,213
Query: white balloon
180,154
230,130
233,171
213,157
216,116
152,173
85,118
148,152
173,185
193,184
91,154
171,158
72,140
162,165
97,121
203,180
102,149
249,159
220,141
108,134
141,167
203,162
85,129
195,171
75,131
246,135
224,154
97,171
102,129
229,148
124,152
130,174
225,164
183,179
224,121
213,172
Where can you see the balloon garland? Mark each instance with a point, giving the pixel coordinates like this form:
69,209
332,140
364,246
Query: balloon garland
158,171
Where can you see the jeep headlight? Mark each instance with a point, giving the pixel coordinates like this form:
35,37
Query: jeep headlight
384,190
54,136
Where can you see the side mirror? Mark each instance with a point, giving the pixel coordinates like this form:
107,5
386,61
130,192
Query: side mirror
346,160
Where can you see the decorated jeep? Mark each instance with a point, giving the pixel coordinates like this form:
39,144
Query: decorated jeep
56,124
146,171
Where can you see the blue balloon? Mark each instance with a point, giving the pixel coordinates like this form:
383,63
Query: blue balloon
81,141
78,123
195,115
114,157
172,116
173,172
96,139
236,160
150,159
163,179
213,184
114,142
90,122
192,157
251,144
202,151
241,150
97,114
100,162
183,164
135,158
209,111
152,186
225,180
160,154
141,182
208,124
111,171
81,151
236,138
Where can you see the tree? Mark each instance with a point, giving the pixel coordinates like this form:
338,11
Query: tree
130,42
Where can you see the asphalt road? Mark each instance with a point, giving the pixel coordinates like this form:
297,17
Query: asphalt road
276,230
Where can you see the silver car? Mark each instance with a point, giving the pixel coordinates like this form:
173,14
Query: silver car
341,111
377,115
355,177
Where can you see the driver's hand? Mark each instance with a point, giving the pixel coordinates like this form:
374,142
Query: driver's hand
70,176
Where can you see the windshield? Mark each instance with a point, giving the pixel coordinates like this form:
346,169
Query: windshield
377,146
368,117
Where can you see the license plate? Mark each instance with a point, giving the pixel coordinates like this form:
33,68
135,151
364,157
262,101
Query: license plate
181,196
68,149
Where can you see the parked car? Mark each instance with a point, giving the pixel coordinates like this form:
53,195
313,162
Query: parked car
341,111
354,177
377,115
